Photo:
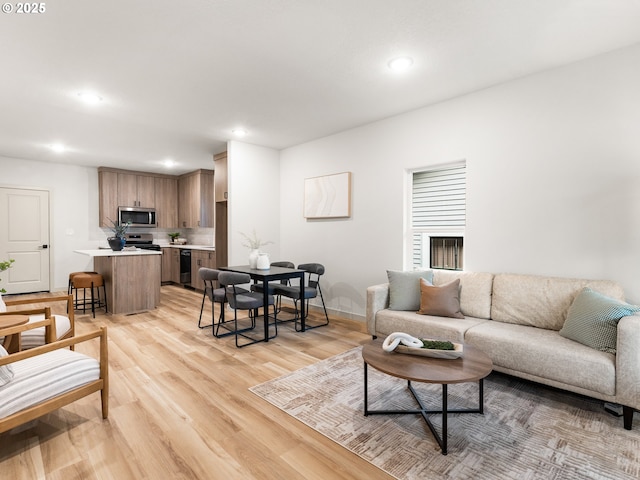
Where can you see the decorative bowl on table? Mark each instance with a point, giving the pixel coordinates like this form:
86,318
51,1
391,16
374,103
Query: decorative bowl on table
432,352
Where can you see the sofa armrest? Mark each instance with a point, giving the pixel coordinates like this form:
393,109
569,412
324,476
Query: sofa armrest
377,299
628,361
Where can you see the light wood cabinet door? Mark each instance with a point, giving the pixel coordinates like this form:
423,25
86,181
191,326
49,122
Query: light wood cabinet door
166,191
220,177
199,259
108,197
136,190
167,275
175,265
195,200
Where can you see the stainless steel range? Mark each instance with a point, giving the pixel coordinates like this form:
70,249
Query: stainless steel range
141,240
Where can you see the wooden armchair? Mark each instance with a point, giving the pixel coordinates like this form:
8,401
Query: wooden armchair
26,391
36,309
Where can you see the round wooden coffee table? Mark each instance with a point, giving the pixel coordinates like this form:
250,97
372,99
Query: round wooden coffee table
473,366
12,342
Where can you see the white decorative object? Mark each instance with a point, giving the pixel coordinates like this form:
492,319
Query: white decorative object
328,196
253,258
404,343
263,262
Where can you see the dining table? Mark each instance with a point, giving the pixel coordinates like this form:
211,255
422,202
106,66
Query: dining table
271,274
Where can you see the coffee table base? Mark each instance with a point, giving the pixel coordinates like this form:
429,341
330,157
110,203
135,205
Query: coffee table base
442,440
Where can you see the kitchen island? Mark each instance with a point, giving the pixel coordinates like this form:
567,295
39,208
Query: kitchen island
131,278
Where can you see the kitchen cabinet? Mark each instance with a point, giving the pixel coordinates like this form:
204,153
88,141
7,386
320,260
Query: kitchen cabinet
136,190
220,178
195,199
201,258
108,197
166,192
221,205
167,265
175,265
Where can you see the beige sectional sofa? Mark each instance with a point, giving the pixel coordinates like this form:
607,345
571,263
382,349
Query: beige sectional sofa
516,320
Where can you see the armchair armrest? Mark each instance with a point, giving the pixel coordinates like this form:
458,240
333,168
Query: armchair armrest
377,299
35,306
628,361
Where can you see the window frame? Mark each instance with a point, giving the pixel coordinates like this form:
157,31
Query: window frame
428,232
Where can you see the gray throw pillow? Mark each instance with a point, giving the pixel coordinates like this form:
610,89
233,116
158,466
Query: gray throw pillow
404,288
593,320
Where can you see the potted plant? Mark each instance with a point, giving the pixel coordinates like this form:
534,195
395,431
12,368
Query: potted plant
173,236
119,229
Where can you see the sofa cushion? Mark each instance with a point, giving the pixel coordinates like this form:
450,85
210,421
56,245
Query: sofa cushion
443,301
541,301
423,326
46,376
593,320
475,290
546,354
6,371
404,288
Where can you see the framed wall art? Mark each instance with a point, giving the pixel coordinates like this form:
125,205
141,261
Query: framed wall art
328,196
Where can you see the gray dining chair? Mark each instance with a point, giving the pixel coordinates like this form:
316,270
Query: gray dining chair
311,290
271,286
241,299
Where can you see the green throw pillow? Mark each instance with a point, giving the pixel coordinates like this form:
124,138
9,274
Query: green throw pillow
593,320
404,288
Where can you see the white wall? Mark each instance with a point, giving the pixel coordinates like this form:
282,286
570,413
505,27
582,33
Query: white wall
73,210
254,192
553,165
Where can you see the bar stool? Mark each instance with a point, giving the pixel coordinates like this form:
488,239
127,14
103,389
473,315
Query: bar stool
92,281
71,275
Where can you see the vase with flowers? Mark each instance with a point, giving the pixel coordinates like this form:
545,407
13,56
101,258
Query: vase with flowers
254,243
117,241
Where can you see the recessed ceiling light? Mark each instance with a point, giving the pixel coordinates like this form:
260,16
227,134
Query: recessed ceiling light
169,163
58,147
239,132
90,98
400,64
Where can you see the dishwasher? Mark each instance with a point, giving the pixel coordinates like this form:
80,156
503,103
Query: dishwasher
185,266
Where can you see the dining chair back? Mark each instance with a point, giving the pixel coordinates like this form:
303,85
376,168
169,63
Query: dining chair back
239,298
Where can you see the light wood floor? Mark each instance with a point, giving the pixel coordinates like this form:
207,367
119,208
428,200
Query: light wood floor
180,407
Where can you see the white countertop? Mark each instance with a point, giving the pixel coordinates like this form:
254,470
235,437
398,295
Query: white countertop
122,253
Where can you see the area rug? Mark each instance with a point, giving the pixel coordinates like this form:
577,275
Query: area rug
528,431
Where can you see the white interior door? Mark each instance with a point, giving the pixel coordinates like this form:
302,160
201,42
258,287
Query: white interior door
24,237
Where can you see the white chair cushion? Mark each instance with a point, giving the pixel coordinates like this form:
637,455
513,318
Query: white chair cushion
6,371
45,376
35,338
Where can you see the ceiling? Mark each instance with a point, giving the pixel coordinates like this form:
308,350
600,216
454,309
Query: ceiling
176,77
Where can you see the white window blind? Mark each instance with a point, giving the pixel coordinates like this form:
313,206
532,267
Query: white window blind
438,210
439,198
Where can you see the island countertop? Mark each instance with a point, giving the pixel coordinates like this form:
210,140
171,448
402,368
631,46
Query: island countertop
122,253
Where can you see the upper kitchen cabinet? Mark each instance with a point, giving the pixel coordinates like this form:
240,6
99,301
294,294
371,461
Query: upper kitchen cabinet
125,188
136,190
195,199
220,162
167,202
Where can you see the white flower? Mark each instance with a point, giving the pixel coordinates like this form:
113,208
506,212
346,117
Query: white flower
253,242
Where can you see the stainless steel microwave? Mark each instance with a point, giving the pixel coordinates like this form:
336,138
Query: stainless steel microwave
137,216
